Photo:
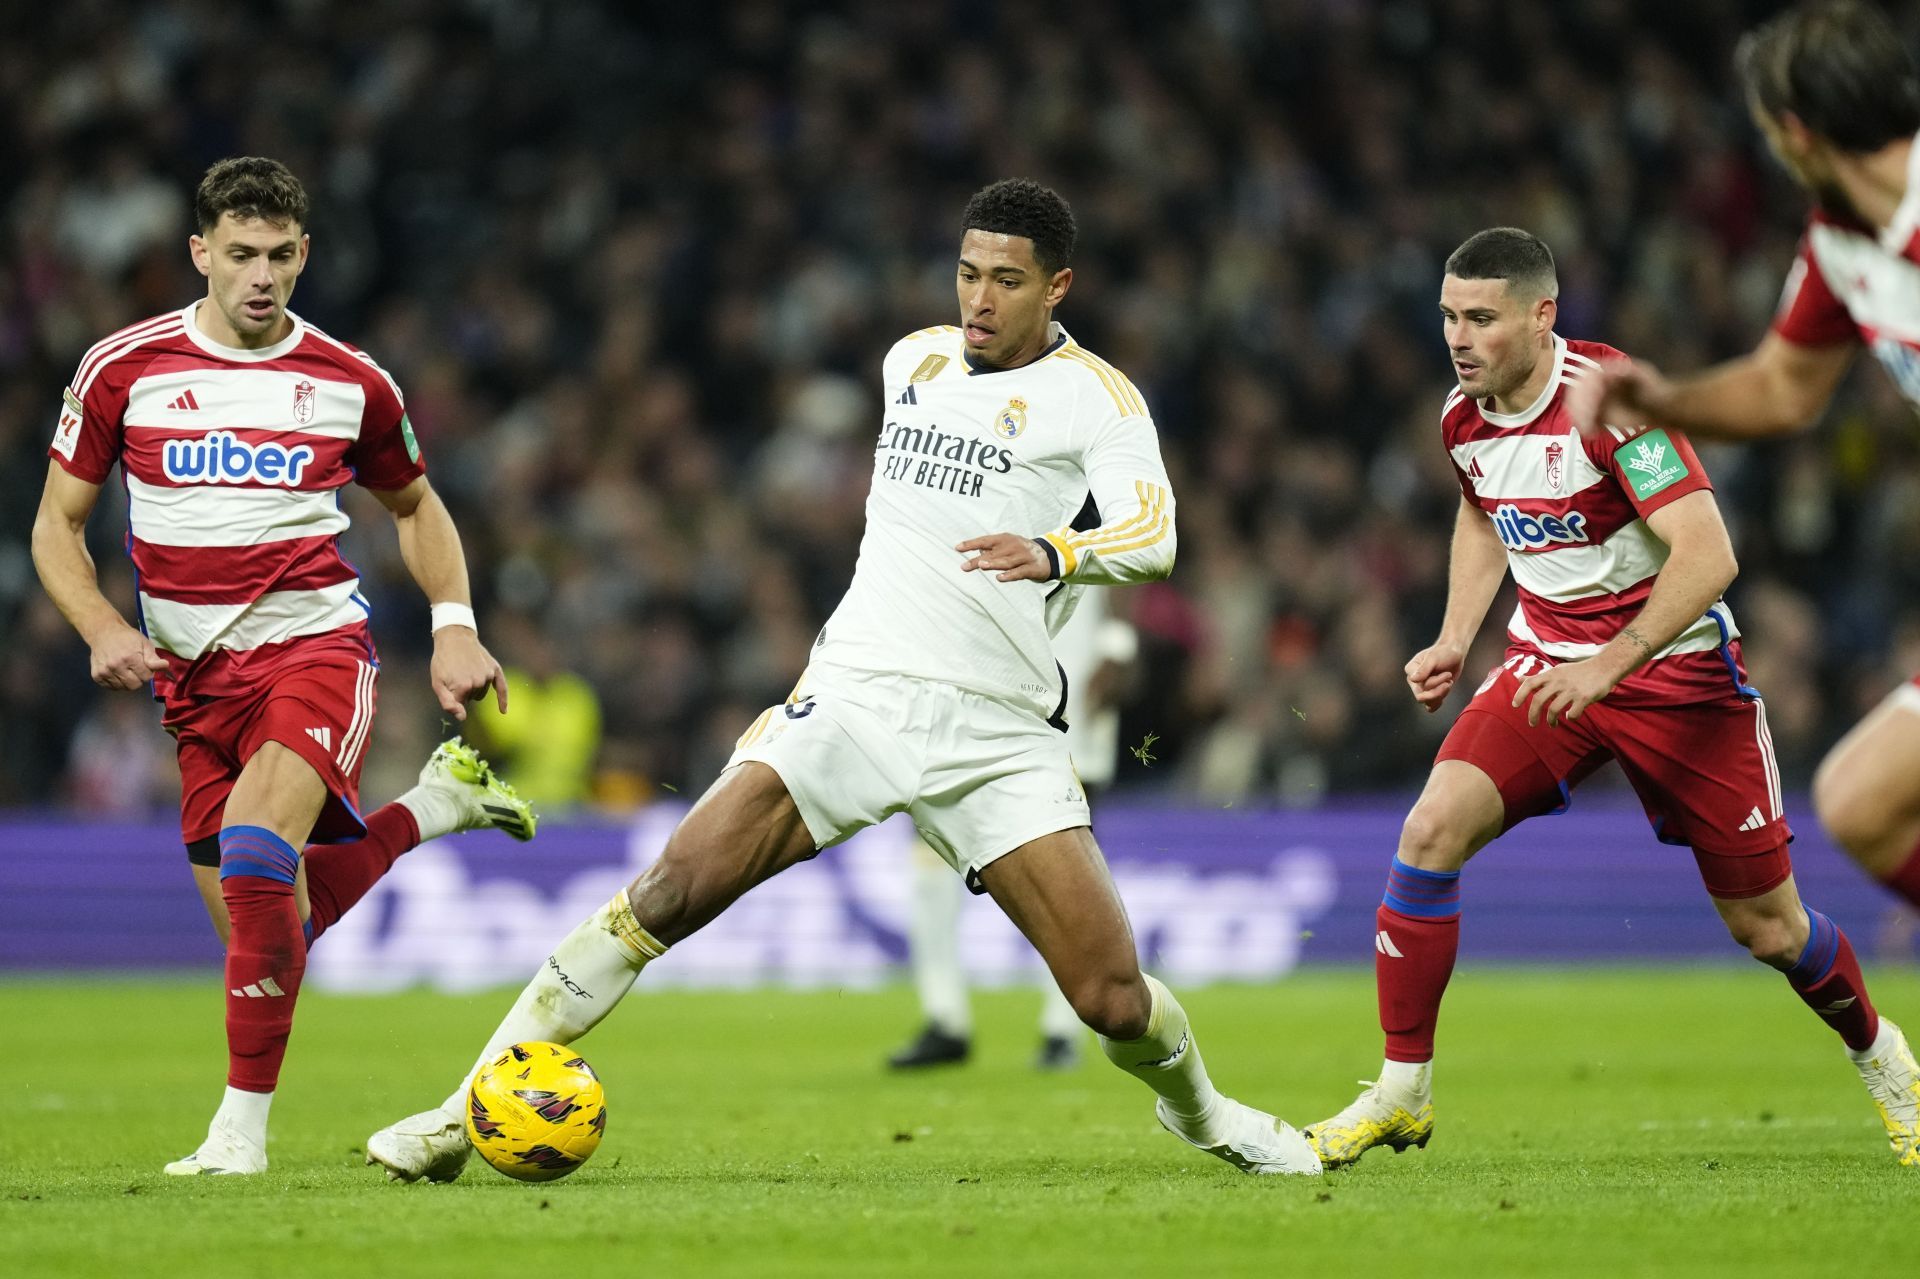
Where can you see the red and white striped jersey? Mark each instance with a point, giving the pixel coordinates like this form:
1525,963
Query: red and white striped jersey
1851,283
233,460
1572,515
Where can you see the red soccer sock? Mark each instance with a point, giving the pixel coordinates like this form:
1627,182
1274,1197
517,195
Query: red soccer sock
1417,934
266,955
1906,880
1828,978
338,875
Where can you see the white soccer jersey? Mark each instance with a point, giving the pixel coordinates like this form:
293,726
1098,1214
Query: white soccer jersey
963,453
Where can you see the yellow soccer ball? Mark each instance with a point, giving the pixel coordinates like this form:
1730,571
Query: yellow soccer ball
536,1112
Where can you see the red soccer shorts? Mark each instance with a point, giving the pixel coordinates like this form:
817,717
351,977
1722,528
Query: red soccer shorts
1704,771
314,695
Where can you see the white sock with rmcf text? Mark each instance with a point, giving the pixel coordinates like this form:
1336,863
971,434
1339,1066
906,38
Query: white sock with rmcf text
1167,1060
589,972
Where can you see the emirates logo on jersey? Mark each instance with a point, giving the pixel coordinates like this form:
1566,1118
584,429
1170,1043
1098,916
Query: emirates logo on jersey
1556,465
303,402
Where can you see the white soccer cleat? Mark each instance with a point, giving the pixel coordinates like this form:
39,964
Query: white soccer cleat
431,1144
457,771
225,1153
1377,1117
1251,1140
1892,1077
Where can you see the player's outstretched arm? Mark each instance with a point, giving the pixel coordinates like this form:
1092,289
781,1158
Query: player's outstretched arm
1474,574
1778,389
122,657
462,668
1699,568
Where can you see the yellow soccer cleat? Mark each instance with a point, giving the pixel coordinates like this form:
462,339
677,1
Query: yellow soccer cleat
477,794
1893,1081
1374,1119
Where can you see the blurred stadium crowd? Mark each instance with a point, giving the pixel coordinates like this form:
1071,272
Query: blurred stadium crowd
636,266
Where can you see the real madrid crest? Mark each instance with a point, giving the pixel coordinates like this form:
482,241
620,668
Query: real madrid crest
1012,420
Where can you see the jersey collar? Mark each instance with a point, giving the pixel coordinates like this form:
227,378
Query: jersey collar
1060,337
241,354
1539,406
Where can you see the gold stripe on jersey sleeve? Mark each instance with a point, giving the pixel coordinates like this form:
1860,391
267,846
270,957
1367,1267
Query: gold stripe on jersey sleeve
1152,508
1159,535
1081,358
1126,528
1126,385
1126,395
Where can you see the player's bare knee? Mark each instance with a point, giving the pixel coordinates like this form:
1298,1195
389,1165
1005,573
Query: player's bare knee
1847,813
1431,840
1112,1006
1776,940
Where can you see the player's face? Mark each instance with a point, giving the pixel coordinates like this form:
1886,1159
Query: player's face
1803,156
1493,334
1006,300
251,265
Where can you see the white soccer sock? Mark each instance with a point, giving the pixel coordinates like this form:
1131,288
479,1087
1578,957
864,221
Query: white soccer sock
434,812
245,1113
589,972
1882,1045
933,943
1166,1059
1057,1018
1408,1078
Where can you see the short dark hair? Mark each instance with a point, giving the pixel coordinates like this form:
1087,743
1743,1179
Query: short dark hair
1021,206
1507,253
1839,66
250,186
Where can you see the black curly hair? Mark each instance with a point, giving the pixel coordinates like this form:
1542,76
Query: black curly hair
1021,206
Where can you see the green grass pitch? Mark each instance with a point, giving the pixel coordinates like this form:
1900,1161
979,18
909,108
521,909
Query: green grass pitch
1591,1122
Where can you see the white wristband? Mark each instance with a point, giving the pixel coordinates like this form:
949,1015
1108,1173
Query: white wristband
445,615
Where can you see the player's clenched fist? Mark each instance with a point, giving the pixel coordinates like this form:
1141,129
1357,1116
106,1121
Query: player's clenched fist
125,659
463,669
1432,674
1619,394
1019,559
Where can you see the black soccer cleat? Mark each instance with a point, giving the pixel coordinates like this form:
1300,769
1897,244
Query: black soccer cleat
1057,1052
934,1047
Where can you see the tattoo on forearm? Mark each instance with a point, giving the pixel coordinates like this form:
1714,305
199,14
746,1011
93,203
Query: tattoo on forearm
1633,636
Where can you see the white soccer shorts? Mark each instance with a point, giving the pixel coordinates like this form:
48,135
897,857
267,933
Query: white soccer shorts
979,777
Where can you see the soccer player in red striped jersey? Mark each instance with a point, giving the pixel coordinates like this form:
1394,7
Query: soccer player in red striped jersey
1836,94
1621,648
235,424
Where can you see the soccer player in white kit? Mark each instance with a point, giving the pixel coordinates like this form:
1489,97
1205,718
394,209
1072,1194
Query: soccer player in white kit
933,690
1094,651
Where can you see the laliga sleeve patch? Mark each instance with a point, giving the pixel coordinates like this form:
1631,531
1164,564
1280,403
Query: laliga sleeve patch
406,434
1651,463
67,434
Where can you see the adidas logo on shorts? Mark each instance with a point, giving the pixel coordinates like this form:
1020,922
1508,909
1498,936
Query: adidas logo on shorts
1754,821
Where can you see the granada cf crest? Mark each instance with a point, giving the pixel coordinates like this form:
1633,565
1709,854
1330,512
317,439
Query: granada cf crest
303,402
1012,420
1556,466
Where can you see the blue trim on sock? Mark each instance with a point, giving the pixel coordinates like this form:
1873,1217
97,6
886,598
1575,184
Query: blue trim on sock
1823,946
257,851
1422,894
